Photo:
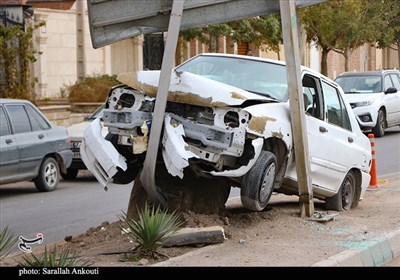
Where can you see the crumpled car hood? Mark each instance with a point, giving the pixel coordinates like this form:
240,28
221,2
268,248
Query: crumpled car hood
189,88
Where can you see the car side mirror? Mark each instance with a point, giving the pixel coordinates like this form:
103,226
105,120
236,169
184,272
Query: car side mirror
391,90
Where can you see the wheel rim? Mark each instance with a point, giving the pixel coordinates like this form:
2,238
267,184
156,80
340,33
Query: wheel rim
267,182
347,193
50,174
381,122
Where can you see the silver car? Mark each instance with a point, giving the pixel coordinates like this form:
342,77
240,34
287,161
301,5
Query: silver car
75,133
31,147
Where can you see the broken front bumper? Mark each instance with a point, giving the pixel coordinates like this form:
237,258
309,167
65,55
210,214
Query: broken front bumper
177,152
99,155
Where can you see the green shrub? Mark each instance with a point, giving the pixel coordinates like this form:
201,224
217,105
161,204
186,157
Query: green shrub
7,242
17,54
65,258
151,228
91,89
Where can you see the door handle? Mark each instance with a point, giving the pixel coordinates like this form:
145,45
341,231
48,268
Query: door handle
40,136
8,141
322,129
351,140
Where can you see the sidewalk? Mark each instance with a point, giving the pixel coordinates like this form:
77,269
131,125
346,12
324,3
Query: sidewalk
378,251
368,235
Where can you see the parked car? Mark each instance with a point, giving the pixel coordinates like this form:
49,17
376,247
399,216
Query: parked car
75,133
228,116
31,147
374,97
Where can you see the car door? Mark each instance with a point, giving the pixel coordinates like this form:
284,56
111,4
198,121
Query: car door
30,138
392,100
330,138
8,150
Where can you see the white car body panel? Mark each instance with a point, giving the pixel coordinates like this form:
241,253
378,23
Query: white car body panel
174,152
189,88
257,144
377,101
99,155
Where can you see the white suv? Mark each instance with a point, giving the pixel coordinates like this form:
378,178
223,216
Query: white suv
374,97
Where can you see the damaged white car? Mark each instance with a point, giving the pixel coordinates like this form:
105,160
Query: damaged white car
229,116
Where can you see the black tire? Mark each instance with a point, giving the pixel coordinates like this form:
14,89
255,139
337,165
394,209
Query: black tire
127,176
379,129
70,175
49,175
344,199
258,183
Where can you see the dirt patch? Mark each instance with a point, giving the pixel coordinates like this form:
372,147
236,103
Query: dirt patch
276,236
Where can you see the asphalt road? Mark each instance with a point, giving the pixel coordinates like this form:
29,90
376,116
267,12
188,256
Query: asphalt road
71,209
78,205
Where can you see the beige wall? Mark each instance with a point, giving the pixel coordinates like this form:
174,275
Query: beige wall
57,41
57,66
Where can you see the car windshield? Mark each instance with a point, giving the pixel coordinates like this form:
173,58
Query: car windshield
360,84
260,77
96,113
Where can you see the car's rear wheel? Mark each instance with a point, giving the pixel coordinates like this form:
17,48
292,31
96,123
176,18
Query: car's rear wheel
70,175
344,199
379,129
258,183
49,175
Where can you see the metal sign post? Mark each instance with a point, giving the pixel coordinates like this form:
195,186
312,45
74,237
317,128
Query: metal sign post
147,176
292,58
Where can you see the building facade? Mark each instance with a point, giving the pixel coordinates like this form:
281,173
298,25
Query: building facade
67,54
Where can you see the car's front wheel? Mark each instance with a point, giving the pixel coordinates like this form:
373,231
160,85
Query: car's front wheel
258,183
346,195
134,163
49,175
70,175
379,129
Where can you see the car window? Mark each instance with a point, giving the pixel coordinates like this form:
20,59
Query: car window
266,79
388,82
97,113
4,126
19,118
312,98
337,113
360,84
37,121
396,81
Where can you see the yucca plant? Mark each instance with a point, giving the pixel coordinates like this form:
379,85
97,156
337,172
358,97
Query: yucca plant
66,258
7,242
151,228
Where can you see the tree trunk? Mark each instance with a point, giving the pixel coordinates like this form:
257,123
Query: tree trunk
398,51
346,60
200,195
324,61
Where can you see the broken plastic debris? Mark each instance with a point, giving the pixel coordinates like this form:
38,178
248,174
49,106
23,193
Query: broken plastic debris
322,217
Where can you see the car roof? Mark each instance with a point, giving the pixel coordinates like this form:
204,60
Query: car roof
317,74
367,73
11,100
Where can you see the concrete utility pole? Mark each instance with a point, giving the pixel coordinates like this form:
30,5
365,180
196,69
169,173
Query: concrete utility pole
293,71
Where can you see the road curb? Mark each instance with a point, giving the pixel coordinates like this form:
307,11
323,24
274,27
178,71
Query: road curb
376,253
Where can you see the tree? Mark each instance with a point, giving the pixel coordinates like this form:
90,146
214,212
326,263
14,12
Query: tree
268,32
16,55
264,32
343,26
390,35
